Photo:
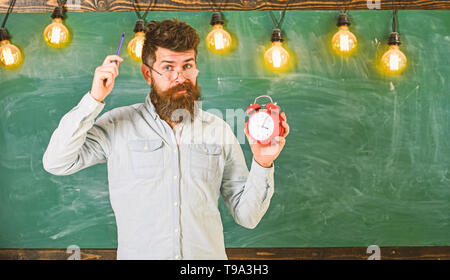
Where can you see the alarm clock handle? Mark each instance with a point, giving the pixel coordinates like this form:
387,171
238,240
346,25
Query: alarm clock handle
263,96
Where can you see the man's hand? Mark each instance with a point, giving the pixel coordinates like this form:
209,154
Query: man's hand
264,155
104,77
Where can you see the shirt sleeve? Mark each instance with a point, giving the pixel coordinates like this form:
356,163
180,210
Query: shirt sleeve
79,141
246,194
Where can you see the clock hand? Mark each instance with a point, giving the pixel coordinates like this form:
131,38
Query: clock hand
264,123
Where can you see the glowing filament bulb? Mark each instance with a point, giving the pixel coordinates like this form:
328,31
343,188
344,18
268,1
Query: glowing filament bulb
10,55
393,61
139,45
135,46
343,42
56,34
218,40
276,57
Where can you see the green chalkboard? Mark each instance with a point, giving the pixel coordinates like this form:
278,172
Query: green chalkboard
367,160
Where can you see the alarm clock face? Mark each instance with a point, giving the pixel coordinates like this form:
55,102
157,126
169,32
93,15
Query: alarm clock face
260,126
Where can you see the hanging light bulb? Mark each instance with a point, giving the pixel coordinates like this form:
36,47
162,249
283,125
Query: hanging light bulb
10,56
394,60
137,43
276,57
218,40
56,34
343,42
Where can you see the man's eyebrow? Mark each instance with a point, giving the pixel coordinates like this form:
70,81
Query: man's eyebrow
170,61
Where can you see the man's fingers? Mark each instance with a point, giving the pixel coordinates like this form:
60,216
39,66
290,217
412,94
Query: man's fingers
112,58
286,128
251,141
280,140
284,124
110,68
107,77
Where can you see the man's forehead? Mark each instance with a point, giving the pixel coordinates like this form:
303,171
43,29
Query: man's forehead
166,55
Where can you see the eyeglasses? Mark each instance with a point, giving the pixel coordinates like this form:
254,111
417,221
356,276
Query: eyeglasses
171,74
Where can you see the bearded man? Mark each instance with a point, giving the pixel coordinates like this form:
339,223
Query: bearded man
168,161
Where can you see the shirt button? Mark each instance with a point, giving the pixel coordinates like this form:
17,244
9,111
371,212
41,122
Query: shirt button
176,230
174,150
175,176
177,257
145,148
175,203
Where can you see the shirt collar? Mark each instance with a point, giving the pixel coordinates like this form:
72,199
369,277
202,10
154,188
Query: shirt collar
150,107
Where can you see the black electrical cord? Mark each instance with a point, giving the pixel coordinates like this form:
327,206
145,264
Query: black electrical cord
394,21
394,17
138,13
343,17
10,8
394,37
216,17
345,6
3,32
276,33
280,22
61,2
140,23
213,5
58,12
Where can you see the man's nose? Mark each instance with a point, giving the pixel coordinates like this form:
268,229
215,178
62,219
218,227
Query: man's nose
180,78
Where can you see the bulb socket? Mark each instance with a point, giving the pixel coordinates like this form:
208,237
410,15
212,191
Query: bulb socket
4,34
58,12
343,20
276,35
139,26
394,39
216,19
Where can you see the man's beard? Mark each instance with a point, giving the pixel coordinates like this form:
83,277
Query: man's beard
172,106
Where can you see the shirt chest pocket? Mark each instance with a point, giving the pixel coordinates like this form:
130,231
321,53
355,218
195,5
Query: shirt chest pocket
146,158
204,160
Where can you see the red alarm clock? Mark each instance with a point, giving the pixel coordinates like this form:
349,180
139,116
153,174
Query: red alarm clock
264,124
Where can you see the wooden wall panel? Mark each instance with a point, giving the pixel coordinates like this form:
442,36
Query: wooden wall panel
42,6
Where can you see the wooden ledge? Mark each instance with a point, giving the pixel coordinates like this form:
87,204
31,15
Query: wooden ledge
329,253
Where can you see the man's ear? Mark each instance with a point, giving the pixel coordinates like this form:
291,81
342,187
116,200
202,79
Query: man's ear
146,73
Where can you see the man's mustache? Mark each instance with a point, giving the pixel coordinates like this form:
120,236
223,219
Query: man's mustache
186,85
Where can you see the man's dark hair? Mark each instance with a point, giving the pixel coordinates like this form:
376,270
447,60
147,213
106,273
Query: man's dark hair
170,34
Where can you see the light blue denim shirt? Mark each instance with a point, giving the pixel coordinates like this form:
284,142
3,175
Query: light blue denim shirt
164,195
